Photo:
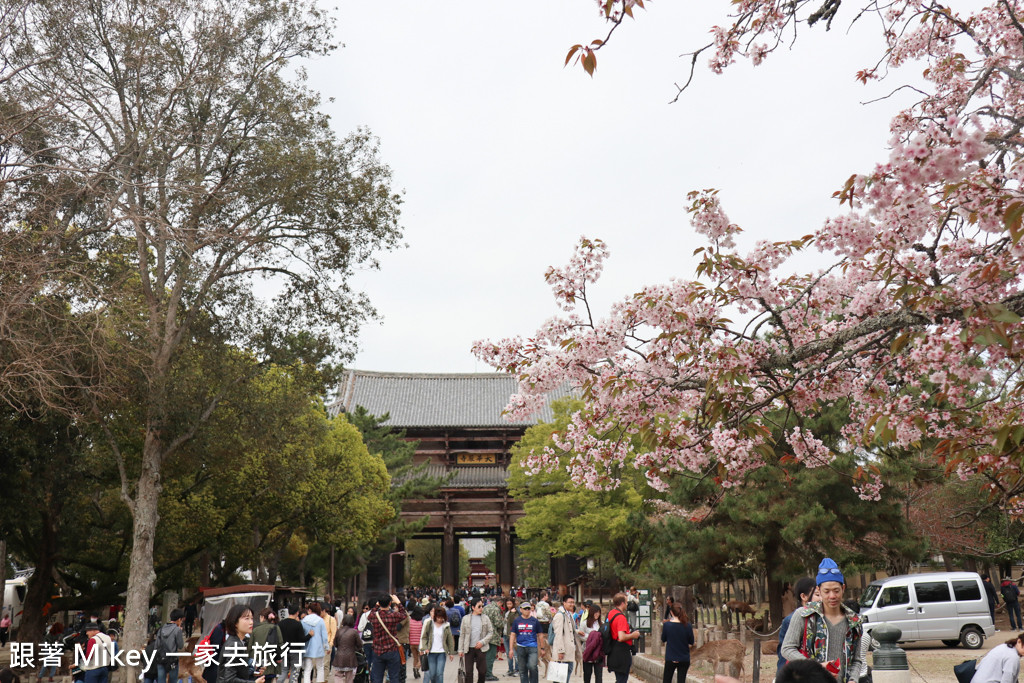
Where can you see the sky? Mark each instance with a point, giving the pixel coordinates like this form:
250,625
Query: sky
505,157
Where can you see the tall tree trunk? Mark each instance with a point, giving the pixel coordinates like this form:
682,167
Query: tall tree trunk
141,574
3,572
40,584
775,582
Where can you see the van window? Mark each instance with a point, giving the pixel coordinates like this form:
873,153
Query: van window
870,592
966,590
21,592
894,595
932,591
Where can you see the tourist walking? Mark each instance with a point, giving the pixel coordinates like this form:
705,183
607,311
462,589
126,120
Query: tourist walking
267,639
55,634
475,640
316,646
384,620
170,639
294,635
235,665
346,646
509,639
677,634
1011,597
827,631
562,634
416,616
593,644
620,659
806,591
5,629
97,654
436,643
526,629
493,612
990,593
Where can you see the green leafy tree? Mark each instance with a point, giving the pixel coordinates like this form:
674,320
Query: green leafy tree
179,136
562,518
410,482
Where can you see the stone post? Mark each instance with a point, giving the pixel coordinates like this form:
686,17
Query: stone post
889,661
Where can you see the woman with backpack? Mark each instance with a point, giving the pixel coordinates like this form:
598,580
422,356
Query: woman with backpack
366,633
593,646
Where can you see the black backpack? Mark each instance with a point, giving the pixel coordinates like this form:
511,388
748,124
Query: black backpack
606,633
164,644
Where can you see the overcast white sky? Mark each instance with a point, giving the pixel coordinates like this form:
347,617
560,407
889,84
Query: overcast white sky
506,158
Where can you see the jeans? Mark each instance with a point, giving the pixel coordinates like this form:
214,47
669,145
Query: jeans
389,660
595,668
290,673
527,659
1013,611
509,654
370,656
672,667
435,672
167,673
621,677
100,675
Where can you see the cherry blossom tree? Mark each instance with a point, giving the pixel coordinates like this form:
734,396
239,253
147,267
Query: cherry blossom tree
914,328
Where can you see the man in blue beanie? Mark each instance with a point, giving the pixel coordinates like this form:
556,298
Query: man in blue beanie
827,631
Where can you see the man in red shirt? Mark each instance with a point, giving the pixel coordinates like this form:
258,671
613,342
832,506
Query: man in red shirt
620,659
385,620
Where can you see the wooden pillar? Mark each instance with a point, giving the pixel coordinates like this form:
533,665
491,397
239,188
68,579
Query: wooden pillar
506,560
398,569
449,558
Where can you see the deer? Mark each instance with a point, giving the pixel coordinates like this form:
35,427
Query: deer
187,667
717,651
739,606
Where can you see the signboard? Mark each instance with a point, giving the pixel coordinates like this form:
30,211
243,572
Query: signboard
644,614
474,459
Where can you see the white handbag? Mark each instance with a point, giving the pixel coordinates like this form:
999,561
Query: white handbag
558,672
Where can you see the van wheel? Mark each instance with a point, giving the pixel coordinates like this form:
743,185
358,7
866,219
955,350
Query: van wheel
951,643
972,638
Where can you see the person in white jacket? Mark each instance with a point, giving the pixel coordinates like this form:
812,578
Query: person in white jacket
564,636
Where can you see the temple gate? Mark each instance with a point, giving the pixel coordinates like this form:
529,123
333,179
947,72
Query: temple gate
457,420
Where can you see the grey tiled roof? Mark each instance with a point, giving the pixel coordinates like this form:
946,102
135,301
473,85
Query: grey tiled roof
434,400
478,476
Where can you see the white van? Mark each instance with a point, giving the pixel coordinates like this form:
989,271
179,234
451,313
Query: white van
947,606
14,598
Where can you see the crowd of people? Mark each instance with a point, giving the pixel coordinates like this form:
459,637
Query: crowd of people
422,632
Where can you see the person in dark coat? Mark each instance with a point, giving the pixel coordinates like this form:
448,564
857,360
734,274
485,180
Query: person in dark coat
993,597
346,644
217,636
235,665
